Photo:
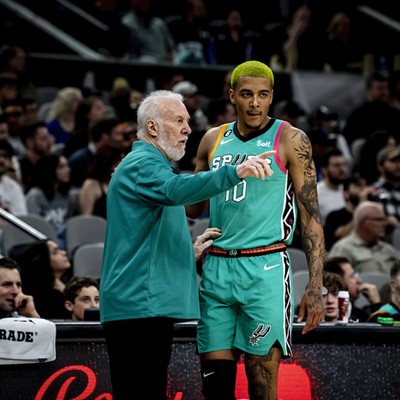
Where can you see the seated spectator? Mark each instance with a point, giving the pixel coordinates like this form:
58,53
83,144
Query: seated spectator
220,111
333,283
103,132
355,287
13,301
12,197
321,143
13,59
14,169
343,53
230,39
339,223
198,122
4,131
128,127
93,194
301,40
89,112
366,161
45,269
334,171
14,112
191,34
364,246
113,41
31,110
49,194
391,308
375,113
327,120
386,190
194,103
37,141
290,111
61,117
385,293
80,293
123,97
150,38
8,87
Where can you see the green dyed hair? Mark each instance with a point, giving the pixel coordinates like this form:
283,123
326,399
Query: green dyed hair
255,69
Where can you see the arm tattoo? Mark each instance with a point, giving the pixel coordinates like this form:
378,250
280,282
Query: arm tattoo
311,240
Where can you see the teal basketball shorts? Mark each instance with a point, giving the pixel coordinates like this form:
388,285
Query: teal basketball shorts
246,303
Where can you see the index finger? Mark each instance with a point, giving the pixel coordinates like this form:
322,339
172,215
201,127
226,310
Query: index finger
267,153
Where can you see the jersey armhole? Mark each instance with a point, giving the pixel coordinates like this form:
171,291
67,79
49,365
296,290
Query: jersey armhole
276,147
219,138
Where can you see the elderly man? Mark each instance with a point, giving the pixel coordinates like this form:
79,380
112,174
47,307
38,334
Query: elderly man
364,246
148,277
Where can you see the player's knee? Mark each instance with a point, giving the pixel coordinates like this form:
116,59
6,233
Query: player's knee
219,379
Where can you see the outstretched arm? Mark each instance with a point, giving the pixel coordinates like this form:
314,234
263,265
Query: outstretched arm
255,166
302,170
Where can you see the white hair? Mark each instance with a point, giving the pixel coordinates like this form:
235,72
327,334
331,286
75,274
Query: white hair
151,107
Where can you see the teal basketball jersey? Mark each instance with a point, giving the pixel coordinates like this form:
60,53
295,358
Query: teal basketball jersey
254,213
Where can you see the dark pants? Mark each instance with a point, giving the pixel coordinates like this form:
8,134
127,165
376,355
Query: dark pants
139,352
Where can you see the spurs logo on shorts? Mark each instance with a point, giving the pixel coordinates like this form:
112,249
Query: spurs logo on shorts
259,333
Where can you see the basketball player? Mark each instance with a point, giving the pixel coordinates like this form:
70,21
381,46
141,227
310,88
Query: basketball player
245,293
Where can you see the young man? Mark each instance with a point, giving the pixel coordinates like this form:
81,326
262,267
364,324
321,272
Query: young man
81,292
333,283
148,277
356,287
245,294
13,301
334,172
37,141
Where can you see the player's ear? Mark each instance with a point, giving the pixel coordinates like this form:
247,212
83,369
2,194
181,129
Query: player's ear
231,96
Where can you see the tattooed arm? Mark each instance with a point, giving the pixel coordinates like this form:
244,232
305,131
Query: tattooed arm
296,151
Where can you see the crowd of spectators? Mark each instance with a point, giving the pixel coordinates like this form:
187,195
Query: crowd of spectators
76,140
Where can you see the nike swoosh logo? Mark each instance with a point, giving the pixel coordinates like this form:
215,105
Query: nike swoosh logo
208,374
226,141
266,268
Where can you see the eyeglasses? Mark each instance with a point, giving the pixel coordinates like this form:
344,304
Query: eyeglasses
377,219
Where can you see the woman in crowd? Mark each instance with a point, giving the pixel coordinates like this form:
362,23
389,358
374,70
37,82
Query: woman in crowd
45,269
49,194
61,117
93,194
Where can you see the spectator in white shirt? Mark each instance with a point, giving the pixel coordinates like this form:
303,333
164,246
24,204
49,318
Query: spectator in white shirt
334,170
